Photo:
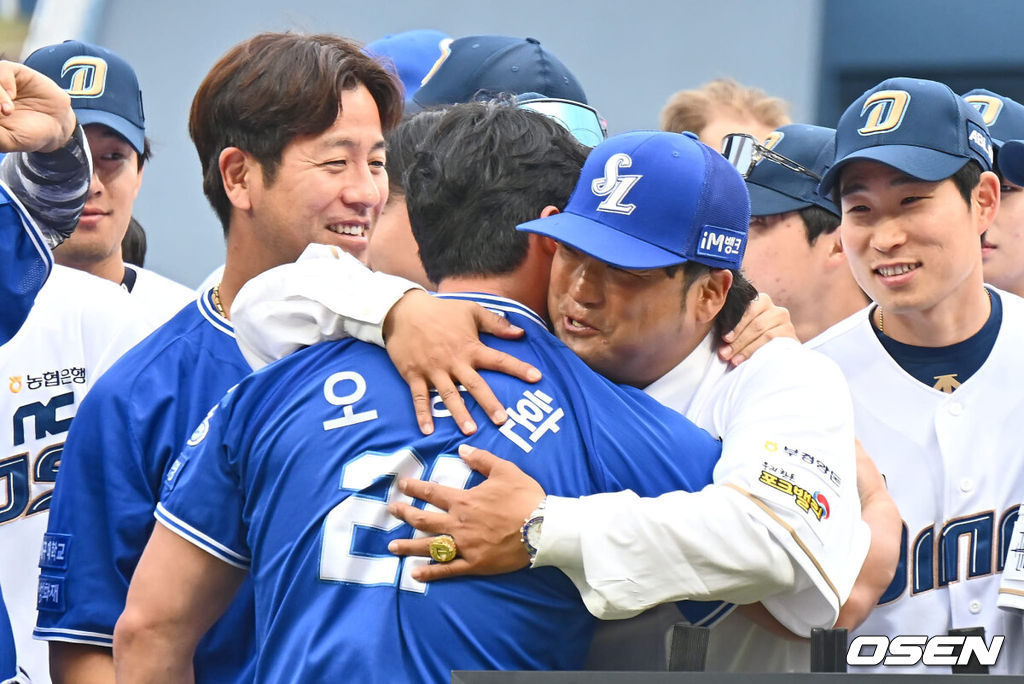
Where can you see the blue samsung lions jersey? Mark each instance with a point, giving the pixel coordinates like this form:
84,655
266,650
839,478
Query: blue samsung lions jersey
25,263
8,658
291,474
129,429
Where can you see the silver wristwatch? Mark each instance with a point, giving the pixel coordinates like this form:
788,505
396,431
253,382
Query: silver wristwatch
531,531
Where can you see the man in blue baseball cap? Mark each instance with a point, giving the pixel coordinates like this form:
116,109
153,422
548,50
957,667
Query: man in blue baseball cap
927,363
794,253
106,98
1002,247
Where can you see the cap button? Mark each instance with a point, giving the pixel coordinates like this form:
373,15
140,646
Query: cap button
533,40
691,134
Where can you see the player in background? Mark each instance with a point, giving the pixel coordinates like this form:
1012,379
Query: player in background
574,429
106,98
280,173
1002,246
794,253
1011,167
44,151
913,177
32,223
410,55
475,68
721,107
75,327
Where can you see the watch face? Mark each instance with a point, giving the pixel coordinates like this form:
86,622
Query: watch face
531,534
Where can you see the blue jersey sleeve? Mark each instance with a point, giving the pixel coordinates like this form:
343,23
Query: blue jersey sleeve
8,657
209,490
25,264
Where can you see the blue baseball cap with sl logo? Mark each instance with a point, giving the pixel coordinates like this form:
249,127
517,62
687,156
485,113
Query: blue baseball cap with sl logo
919,127
649,199
103,86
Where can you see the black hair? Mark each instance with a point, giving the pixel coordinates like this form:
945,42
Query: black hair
966,179
402,143
740,294
485,168
133,244
818,221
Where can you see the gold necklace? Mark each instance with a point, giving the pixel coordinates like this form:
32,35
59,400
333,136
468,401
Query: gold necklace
216,301
881,314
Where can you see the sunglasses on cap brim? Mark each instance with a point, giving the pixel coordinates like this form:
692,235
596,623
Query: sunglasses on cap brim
744,152
583,121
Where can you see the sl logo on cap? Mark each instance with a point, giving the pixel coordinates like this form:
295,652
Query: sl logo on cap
88,76
885,110
614,187
988,106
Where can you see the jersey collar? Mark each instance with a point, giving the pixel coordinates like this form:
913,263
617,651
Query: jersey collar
499,305
209,311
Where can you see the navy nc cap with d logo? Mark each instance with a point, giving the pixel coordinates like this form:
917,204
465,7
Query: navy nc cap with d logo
103,86
649,199
920,127
776,189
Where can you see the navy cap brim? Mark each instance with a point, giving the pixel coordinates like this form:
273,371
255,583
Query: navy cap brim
765,201
601,242
1011,161
135,136
919,162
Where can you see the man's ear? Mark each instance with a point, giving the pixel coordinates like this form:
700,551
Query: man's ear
835,257
986,195
235,169
709,293
549,210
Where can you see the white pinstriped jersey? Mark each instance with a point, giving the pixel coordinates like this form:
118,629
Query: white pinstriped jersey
954,463
79,325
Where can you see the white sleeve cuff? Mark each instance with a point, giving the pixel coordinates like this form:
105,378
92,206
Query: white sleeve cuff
326,294
559,545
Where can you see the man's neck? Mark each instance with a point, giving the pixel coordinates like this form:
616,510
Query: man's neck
952,320
245,259
111,268
827,308
509,285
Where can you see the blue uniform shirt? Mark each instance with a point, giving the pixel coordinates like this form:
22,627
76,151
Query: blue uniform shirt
128,430
291,474
25,263
8,657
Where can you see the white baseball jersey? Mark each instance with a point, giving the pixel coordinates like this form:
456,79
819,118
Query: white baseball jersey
79,325
156,298
953,464
786,424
